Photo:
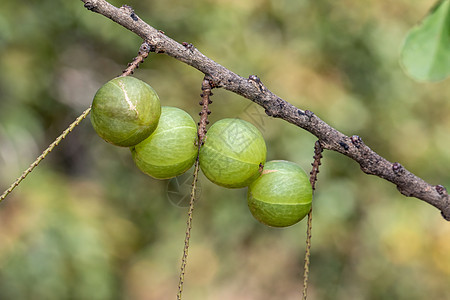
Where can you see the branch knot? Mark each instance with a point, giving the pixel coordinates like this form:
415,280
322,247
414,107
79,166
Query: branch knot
89,5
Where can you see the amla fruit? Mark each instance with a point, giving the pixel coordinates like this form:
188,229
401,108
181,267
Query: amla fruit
171,149
281,196
233,153
125,111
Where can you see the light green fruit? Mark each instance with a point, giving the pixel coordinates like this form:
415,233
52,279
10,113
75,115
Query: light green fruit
125,111
281,196
170,150
232,154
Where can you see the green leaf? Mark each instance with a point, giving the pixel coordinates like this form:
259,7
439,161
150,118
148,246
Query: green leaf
426,52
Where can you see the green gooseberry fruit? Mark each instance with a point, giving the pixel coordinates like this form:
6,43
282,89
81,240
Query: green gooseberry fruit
125,111
281,196
233,153
170,150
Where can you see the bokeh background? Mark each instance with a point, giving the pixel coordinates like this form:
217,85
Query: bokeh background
87,224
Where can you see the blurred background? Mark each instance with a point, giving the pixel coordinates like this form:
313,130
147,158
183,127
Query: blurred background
87,224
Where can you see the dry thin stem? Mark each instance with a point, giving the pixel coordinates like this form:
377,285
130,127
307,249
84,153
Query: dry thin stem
45,153
252,88
206,93
188,230
307,255
315,164
142,54
312,179
201,131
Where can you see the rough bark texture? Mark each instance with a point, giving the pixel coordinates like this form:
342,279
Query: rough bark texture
252,88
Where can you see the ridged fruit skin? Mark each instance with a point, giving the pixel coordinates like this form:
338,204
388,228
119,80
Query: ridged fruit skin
232,153
170,150
125,111
281,196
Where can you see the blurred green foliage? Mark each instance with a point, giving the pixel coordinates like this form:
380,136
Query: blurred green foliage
425,54
87,224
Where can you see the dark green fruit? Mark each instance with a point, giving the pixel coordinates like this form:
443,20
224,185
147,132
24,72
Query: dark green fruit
170,150
125,111
281,196
233,152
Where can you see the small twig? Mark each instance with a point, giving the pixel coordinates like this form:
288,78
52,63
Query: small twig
315,164
45,153
312,179
201,131
142,54
206,93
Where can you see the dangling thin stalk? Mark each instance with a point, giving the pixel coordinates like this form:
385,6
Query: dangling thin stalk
45,153
206,93
312,179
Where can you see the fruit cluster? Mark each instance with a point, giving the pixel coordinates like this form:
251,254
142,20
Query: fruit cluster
163,142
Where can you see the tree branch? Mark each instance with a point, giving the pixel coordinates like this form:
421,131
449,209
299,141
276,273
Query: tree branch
252,88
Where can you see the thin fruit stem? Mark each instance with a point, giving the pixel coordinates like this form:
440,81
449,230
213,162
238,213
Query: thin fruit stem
312,179
206,88
45,153
307,254
188,231
142,54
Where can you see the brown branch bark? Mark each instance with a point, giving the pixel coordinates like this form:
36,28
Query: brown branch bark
251,88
